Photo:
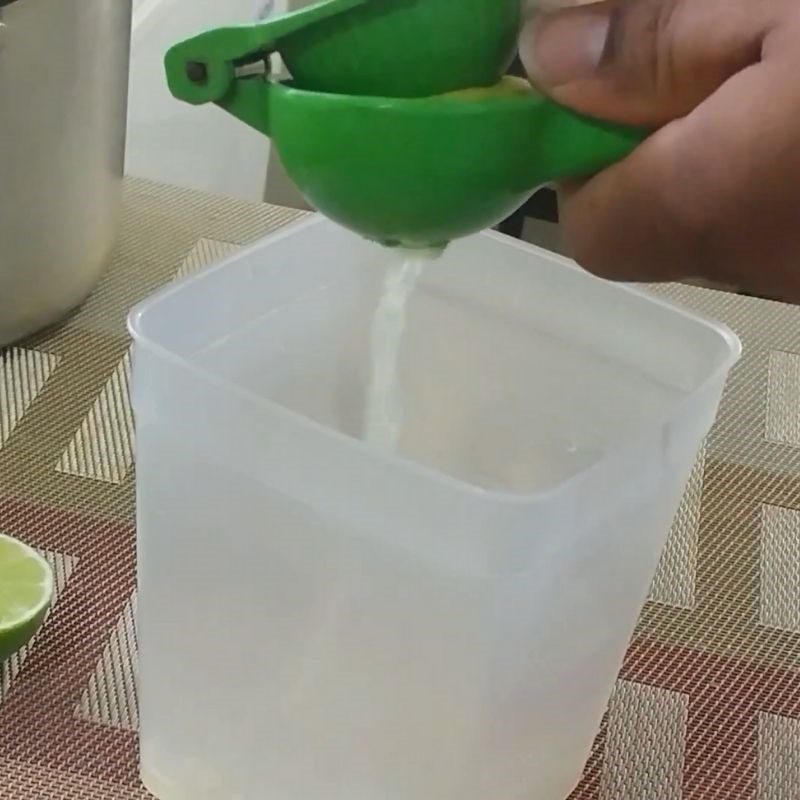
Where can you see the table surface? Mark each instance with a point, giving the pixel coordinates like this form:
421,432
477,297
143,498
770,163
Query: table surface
708,702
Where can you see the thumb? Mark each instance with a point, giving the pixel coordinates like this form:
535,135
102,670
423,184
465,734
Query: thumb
644,62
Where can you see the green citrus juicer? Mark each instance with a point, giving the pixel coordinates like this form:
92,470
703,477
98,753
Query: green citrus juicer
410,171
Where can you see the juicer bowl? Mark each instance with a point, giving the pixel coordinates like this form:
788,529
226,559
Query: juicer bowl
421,172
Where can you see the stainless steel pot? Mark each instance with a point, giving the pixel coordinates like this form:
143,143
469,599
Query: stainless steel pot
63,101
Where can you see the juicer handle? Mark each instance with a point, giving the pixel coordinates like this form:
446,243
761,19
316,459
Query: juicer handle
202,69
572,145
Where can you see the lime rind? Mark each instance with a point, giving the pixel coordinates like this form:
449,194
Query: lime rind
26,592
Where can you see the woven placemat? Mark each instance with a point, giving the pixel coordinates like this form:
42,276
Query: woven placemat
708,703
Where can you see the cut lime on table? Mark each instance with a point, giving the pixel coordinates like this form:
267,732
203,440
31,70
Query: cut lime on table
26,590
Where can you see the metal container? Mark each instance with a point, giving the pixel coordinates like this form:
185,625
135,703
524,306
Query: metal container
63,102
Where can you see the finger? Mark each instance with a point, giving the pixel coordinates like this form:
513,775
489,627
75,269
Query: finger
645,62
711,195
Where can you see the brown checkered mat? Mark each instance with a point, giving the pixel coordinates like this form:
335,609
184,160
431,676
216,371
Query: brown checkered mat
708,704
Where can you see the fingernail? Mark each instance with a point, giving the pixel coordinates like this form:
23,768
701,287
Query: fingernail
564,46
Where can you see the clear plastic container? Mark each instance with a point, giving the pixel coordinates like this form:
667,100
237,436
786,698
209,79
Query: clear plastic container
321,620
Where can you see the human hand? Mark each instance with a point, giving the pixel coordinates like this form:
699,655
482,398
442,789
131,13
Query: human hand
715,191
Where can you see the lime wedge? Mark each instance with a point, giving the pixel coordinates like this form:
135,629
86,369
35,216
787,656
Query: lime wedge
26,590
509,86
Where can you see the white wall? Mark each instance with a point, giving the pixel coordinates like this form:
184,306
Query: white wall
200,148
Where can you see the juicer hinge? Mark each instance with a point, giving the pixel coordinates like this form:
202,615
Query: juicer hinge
197,71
